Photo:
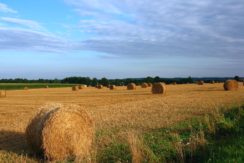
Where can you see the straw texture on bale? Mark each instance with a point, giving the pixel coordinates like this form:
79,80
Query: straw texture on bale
200,82
231,85
75,88
131,86
112,87
59,132
159,88
144,85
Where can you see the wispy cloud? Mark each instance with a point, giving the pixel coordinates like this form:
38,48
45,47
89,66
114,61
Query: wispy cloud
210,28
19,39
193,28
30,35
22,22
4,8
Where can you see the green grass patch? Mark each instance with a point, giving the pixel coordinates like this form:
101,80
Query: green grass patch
19,86
217,137
115,152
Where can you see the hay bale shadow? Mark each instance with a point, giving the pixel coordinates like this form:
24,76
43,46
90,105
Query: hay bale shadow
209,90
15,142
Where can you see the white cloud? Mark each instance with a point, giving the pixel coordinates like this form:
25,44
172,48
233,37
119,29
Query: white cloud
22,22
162,27
212,28
4,8
28,40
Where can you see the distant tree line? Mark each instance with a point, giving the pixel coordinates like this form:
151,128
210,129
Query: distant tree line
20,80
104,81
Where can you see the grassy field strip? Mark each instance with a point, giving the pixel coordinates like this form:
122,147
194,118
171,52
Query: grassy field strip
17,86
217,137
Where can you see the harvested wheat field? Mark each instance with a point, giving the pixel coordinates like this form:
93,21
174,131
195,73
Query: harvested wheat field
113,112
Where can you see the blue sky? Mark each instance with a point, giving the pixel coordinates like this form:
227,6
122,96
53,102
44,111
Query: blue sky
118,39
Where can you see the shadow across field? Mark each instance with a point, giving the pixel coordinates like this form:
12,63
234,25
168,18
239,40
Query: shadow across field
209,90
13,141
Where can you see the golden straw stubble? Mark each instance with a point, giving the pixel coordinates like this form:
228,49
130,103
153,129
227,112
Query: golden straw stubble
3,93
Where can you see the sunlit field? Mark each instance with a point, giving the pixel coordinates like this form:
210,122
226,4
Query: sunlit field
114,111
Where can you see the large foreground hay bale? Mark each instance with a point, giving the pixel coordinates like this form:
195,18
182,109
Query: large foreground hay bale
59,132
131,86
159,88
200,82
144,85
231,85
112,87
75,88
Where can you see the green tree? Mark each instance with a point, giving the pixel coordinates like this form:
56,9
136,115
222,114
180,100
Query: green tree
149,79
237,78
94,82
104,81
156,79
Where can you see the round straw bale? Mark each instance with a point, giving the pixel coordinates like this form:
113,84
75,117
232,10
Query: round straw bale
112,87
75,88
231,85
144,85
159,88
59,132
131,86
99,86
149,84
82,86
200,82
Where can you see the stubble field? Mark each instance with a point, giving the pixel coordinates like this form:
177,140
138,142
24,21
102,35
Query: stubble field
113,111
